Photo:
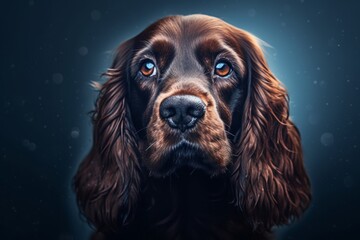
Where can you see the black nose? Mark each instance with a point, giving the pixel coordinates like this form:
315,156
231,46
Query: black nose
182,111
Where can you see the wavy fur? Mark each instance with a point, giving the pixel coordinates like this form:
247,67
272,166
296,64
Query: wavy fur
269,178
108,180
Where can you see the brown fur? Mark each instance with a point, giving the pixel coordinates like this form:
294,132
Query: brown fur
245,135
209,134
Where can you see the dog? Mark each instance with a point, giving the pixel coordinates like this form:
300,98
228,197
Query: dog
191,139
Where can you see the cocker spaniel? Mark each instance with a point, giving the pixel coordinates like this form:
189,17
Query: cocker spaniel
192,139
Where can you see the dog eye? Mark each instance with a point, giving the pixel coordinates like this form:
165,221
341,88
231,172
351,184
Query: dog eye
148,69
222,69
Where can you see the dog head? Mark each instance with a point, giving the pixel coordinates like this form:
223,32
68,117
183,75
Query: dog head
193,91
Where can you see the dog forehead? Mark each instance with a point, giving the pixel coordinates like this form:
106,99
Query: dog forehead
184,29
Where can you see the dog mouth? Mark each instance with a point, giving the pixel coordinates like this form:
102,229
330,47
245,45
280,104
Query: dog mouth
186,155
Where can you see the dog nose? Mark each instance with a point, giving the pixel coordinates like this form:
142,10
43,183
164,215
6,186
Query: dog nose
182,111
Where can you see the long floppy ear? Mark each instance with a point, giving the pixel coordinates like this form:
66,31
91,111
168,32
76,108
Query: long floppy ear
108,180
269,178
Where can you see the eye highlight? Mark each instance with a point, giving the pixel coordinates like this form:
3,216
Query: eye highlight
222,68
148,68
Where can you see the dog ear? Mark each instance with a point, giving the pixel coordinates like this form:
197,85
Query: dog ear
270,183
108,180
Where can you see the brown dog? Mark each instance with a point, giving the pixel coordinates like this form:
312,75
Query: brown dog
192,139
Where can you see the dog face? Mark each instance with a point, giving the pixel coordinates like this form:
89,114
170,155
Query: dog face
193,91
187,74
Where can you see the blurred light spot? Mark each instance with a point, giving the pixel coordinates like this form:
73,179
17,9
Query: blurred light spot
75,132
29,145
313,119
327,139
309,107
83,51
29,117
57,78
95,15
348,181
251,12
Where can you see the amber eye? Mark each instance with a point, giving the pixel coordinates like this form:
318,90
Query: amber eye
148,69
222,69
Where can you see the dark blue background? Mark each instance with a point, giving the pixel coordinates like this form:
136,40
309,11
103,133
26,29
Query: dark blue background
50,51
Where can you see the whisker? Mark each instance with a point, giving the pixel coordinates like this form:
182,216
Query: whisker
141,130
192,172
227,125
230,133
149,146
